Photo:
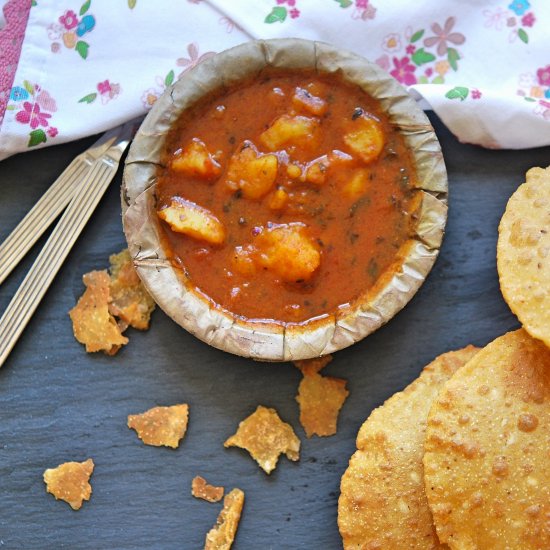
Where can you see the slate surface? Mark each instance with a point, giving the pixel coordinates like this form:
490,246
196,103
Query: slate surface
58,403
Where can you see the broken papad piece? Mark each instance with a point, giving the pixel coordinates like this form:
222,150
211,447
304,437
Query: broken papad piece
70,482
222,535
201,489
265,436
93,324
315,365
523,253
161,426
487,449
382,502
130,301
320,399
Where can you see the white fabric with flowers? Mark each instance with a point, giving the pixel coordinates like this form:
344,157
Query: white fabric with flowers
86,66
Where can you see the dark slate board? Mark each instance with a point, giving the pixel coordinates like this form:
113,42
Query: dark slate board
58,403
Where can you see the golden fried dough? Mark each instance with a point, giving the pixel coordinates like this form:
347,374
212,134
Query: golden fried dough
222,535
200,488
129,299
70,482
161,426
523,253
312,366
93,324
382,503
320,399
487,449
265,436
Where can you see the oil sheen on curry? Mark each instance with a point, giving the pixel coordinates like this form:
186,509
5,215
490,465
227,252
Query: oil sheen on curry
285,198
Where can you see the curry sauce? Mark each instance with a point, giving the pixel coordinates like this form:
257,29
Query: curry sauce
286,197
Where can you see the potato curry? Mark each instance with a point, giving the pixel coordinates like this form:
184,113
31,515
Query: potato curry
286,197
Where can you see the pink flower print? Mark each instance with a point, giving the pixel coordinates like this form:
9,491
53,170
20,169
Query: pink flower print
149,97
107,90
392,42
543,76
429,72
411,48
294,13
404,71
408,32
52,132
370,12
229,24
30,114
104,87
528,20
194,58
542,108
69,20
55,47
46,101
476,94
112,94
383,62
54,31
444,35
495,18
511,22
363,11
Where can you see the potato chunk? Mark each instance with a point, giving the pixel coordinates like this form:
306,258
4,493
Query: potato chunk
242,261
316,171
287,251
357,184
278,200
367,138
196,160
293,171
289,130
252,172
191,219
306,101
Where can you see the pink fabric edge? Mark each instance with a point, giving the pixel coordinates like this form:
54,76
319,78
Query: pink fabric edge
16,13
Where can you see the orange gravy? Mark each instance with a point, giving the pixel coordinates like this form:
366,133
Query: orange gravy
357,233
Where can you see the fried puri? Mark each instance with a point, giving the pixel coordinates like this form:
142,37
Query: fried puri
523,253
382,503
487,449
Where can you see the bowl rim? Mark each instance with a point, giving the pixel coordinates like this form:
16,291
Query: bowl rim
263,340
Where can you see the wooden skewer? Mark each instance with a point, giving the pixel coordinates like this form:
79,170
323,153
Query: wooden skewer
56,249
50,206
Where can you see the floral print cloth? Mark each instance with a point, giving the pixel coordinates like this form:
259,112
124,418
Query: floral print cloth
88,65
